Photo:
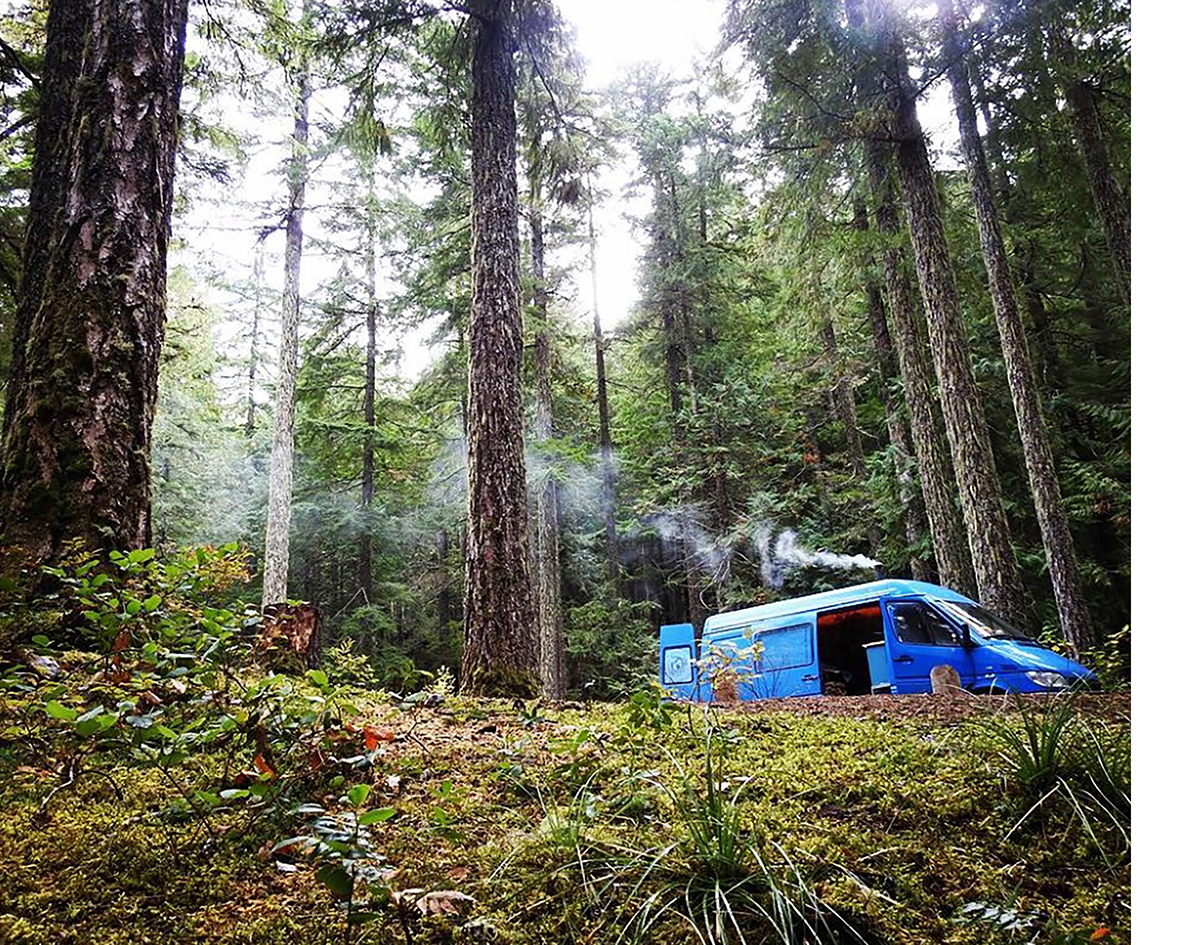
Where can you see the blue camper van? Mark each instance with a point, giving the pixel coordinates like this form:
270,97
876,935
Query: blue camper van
881,637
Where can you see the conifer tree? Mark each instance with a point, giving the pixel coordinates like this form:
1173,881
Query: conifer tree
90,320
500,616
997,576
1031,422
278,534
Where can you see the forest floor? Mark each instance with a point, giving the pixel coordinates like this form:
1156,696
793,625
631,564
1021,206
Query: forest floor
884,819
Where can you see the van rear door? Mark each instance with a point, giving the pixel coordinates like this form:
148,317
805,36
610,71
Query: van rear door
789,663
919,638
678,660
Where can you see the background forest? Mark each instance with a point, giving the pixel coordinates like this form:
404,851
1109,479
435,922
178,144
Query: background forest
770,417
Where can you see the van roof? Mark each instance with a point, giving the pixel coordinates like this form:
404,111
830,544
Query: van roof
858,593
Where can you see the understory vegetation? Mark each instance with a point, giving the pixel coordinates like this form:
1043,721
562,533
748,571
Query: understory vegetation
164,779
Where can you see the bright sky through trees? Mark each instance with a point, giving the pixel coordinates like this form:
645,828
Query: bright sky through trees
611,35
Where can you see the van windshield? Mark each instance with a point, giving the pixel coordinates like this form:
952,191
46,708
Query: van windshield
986,623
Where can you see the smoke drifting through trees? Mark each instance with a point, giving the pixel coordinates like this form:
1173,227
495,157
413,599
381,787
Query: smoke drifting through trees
778,551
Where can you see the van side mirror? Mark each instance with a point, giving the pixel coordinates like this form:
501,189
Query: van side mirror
966,640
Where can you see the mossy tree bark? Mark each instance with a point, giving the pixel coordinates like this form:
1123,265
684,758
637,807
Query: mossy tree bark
255,355
369,407
936,475
500,613
1031,424
90,318
994,561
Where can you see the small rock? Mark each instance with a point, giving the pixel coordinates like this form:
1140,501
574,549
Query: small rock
45,666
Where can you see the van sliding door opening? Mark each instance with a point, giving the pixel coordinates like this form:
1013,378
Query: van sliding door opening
842,635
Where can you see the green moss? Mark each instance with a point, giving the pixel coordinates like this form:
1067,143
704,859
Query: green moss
502,681
896,824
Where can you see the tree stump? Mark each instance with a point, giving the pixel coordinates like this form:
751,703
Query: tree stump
290,634
945,681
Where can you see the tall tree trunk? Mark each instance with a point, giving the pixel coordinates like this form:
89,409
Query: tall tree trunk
936,476
1024,251
551,649
1031,424
278,539
606,459
679,325
500,615
908,496
443,545
90,319
1111,202
674,349
997,576
255,347
841,391
720,521
683,313
365,557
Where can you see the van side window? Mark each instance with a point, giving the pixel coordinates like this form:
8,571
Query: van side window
917,623
678,665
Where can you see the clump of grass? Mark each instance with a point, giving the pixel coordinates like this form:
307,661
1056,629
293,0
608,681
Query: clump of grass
1106,764
713,874
1051,751
1037,745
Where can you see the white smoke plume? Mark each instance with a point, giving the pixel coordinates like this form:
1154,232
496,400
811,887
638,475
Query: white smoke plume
787,554
778,554
711,553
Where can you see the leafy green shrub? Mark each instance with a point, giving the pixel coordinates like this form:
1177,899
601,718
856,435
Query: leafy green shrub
727,665
1026,928
1111,660
347,666
648,708
348,862
169,684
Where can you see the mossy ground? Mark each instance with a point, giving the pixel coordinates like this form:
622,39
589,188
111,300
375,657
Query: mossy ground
898,818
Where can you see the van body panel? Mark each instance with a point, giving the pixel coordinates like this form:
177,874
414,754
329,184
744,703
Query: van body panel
911,660
789,664
828,600
1003,664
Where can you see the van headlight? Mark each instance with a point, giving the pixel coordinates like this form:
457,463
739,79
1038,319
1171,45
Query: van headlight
1047,680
